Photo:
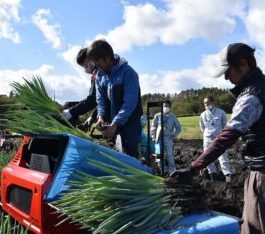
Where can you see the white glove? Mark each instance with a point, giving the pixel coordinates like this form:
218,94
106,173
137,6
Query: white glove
66,114
87,123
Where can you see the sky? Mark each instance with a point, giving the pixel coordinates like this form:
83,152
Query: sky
173,45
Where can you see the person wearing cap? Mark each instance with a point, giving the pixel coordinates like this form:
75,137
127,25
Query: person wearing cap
89,103
118,96
212,121
171,129
248,122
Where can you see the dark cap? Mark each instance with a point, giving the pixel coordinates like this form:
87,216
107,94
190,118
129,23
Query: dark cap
231,54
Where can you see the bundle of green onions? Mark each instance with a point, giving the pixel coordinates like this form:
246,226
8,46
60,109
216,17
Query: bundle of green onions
35,112
128,200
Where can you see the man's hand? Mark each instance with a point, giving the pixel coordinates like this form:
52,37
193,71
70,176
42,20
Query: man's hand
99,123
183,172
110,131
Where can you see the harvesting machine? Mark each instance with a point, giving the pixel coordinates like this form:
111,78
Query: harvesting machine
41,169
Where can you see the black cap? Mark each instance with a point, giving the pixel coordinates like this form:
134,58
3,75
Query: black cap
231,54
81,56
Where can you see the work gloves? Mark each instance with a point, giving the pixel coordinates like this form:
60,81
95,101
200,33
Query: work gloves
187,172
86,126
66,114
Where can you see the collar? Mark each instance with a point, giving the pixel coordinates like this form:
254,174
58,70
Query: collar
253,75
116,64
114,67
213,109
94,74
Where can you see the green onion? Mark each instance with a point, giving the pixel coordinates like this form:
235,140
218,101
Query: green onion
128,200
33,111
10,226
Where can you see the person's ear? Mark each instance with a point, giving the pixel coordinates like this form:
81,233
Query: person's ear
107,58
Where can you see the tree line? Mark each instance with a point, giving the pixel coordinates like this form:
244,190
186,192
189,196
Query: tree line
185,103
190,102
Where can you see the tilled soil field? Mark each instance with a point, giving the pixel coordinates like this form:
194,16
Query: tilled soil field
219,195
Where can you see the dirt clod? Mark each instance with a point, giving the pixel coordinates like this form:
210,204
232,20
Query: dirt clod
217,195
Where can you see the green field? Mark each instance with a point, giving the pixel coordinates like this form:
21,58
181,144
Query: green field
190,127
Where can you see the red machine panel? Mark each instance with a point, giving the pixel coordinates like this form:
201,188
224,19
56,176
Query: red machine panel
26,180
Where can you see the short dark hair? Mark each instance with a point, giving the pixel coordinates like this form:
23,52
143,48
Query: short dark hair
167,102
210,98
81,56
251,60
100,49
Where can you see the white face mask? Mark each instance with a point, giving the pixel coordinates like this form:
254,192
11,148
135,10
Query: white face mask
89,69
166,109
209,107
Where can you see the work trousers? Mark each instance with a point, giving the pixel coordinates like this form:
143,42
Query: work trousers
130,134
168,146
168,154
223,159
254,203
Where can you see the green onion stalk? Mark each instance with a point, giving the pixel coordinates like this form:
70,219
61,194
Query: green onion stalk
127,200
33,111
5,158
10,226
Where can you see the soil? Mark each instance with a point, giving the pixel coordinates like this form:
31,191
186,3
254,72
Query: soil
217,195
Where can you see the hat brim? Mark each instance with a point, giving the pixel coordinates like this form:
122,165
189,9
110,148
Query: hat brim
221,70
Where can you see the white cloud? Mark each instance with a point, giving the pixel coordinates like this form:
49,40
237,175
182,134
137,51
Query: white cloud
167,81
179,22
70,56
254,22
65,87
50,31
9,14
144,24
176,81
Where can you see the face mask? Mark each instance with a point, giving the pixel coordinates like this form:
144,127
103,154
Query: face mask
209,107
166,109
90,69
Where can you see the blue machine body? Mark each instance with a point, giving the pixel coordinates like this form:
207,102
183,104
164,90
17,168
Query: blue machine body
75,158
207,222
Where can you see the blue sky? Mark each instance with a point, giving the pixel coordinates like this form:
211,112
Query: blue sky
172,44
